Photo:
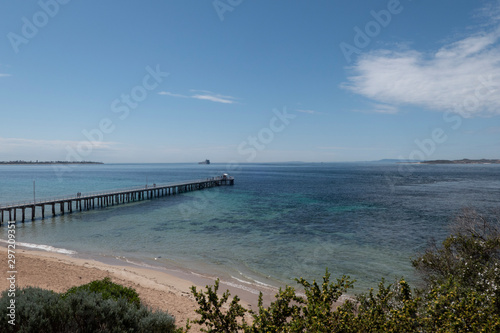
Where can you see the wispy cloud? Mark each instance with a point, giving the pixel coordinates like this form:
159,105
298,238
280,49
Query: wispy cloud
462,76
19,143
203,95
489,13
172,94
385,108
308,111
354,148
214,99
5,75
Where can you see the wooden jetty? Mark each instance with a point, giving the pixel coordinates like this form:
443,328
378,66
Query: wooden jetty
103,199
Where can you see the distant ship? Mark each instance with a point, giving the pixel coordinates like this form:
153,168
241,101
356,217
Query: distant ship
205,162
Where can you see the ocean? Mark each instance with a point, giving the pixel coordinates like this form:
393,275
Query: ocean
277,223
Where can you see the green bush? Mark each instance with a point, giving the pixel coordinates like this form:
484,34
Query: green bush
36,310
91,312
108,290
292,313
211,310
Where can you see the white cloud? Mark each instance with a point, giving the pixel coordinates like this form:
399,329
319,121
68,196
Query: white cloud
214,99
309,111
172,94
4,75
203,95
462,76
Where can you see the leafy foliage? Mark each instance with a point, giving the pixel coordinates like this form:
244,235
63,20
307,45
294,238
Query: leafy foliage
36,310
211,310
470,255
108,290
91,312
292,313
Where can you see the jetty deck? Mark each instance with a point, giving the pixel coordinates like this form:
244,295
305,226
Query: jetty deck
87,201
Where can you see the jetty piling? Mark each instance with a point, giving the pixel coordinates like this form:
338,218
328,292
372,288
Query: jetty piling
105,199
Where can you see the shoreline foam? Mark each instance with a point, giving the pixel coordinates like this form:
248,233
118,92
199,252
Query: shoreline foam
43,247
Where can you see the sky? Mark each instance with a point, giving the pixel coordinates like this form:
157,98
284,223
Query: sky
249,81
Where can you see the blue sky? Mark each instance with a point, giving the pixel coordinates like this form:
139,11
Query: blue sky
249,81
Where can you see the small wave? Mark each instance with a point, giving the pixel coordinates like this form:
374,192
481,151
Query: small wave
43,247
239,280
135,263
157,265
203,275
260,283
242,287
231,284
254,282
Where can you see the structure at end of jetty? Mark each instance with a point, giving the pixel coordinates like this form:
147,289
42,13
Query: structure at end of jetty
82,201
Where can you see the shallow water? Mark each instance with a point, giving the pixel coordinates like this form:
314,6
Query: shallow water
278,222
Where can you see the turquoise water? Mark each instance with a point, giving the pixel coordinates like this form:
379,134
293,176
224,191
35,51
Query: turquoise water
278,222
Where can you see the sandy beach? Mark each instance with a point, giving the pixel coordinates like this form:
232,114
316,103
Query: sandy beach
157,289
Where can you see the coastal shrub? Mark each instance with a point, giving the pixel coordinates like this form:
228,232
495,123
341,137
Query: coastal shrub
36,310
158,322
461,293
393,308
449,307
39,310
312,313
276,316
91,312
108,290
288,313
470,256
462,290
211,311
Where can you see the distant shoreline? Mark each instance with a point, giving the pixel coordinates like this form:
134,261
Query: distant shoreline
463,161
45,162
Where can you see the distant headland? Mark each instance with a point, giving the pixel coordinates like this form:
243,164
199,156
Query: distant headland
462,161
47,162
